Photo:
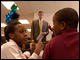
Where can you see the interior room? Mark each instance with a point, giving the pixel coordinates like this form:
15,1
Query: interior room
28,11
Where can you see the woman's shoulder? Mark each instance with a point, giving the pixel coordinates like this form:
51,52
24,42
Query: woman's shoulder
8,45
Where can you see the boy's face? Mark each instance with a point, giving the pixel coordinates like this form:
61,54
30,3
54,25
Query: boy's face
56,26
20,35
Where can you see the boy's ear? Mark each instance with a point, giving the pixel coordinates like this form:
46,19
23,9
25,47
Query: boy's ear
63,25
11,35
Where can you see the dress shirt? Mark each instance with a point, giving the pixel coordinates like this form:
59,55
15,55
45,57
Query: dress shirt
42,22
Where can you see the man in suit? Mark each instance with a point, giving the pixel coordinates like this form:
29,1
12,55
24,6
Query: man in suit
39,26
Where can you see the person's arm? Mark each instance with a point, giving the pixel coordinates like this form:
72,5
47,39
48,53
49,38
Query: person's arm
50,28
26,54
41,53
46,53
14,53
32,47
37,51
47,31
34,55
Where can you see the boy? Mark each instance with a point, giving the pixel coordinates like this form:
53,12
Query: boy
65,44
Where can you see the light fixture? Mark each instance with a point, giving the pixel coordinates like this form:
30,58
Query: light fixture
2,35
24,21
29,30
3,24
8,4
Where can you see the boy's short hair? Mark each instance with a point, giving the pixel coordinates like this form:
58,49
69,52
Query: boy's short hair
40,12
10,28
69,16
15,15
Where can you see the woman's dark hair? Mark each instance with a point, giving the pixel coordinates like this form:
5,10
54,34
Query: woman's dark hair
15,15
69,16
10,28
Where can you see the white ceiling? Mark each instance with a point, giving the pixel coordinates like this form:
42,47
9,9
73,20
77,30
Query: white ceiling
28,8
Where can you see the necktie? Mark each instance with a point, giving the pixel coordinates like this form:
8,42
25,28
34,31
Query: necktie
40,26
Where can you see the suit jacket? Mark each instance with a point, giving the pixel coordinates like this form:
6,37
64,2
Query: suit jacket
35,29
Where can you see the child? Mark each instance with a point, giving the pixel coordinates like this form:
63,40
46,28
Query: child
65,44
15,17
16,34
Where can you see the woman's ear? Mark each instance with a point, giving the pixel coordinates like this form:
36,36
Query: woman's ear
63,25
11,35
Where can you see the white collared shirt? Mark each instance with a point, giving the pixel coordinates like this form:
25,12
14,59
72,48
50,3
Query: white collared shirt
10,50
42,22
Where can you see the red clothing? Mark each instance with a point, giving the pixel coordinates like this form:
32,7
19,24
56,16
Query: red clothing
50,28
63,46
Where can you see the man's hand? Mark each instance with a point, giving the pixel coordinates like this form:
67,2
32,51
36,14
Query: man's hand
44,33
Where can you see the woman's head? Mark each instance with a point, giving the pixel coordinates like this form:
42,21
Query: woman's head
64,19
15,16
17,32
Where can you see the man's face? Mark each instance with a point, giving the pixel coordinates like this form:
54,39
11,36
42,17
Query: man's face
40,15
